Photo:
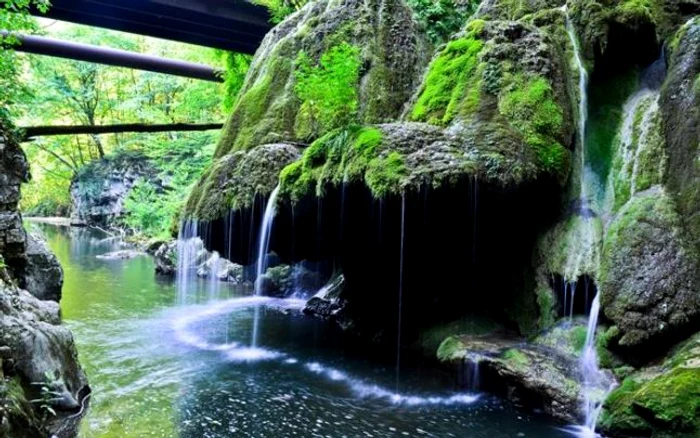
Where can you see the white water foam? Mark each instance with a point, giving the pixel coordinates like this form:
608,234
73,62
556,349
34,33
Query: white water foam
234,352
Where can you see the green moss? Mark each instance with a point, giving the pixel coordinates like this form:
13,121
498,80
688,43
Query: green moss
577,337
637,12
470,325
606,99
367,141
619,413
516,358
603,342
384,174
669,402
452,85
529,107
345,155
451,349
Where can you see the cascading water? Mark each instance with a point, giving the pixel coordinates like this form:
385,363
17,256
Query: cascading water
264,242
263,247
595,384
189,250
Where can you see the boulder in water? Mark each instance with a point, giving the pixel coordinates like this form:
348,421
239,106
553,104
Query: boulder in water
124,254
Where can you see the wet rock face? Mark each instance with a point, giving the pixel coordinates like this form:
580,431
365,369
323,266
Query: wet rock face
165,258
39,352
234,180
529,374
13,172
42,275
680,104
99,191
35,349
650,271
659,400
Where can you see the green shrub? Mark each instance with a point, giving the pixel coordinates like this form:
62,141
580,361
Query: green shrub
328,90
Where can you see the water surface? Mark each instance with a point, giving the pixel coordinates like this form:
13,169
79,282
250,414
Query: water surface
167,370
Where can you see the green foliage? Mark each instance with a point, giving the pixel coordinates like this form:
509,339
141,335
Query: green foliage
72,92
530,108
236,66
281,9
14,17
442,18
150,211
328,91
452,83
47,395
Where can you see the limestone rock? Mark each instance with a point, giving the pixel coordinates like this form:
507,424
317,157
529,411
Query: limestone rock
650,271
680,104
536,376
235,179
99,190
43,275
660,400
165,258
221,269
124,254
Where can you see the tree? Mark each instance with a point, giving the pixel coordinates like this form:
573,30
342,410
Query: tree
14,17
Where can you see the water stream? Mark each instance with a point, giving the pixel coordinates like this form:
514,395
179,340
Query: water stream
165,369
595,385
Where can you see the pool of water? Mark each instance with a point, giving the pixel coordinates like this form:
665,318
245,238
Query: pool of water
199,370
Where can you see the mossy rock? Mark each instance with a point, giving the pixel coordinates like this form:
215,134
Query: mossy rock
507,83
659,401
532,373
512,10
392,158
234,180
650,271
392,57
680,104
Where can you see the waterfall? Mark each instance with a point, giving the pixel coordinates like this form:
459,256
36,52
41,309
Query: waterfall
264,240
263,247
189,250
595,384
400,311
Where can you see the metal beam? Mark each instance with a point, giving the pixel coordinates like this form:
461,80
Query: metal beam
234,25
43,131
108,56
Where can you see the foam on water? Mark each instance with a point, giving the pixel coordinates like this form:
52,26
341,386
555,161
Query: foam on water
235,352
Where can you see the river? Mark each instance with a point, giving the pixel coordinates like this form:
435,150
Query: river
161,369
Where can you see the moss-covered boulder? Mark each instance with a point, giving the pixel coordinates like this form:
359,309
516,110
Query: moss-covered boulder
381,69
680,104
503,83
650,271
494,105
234,180
659,401
534,375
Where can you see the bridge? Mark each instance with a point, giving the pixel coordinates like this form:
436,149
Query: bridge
234,25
